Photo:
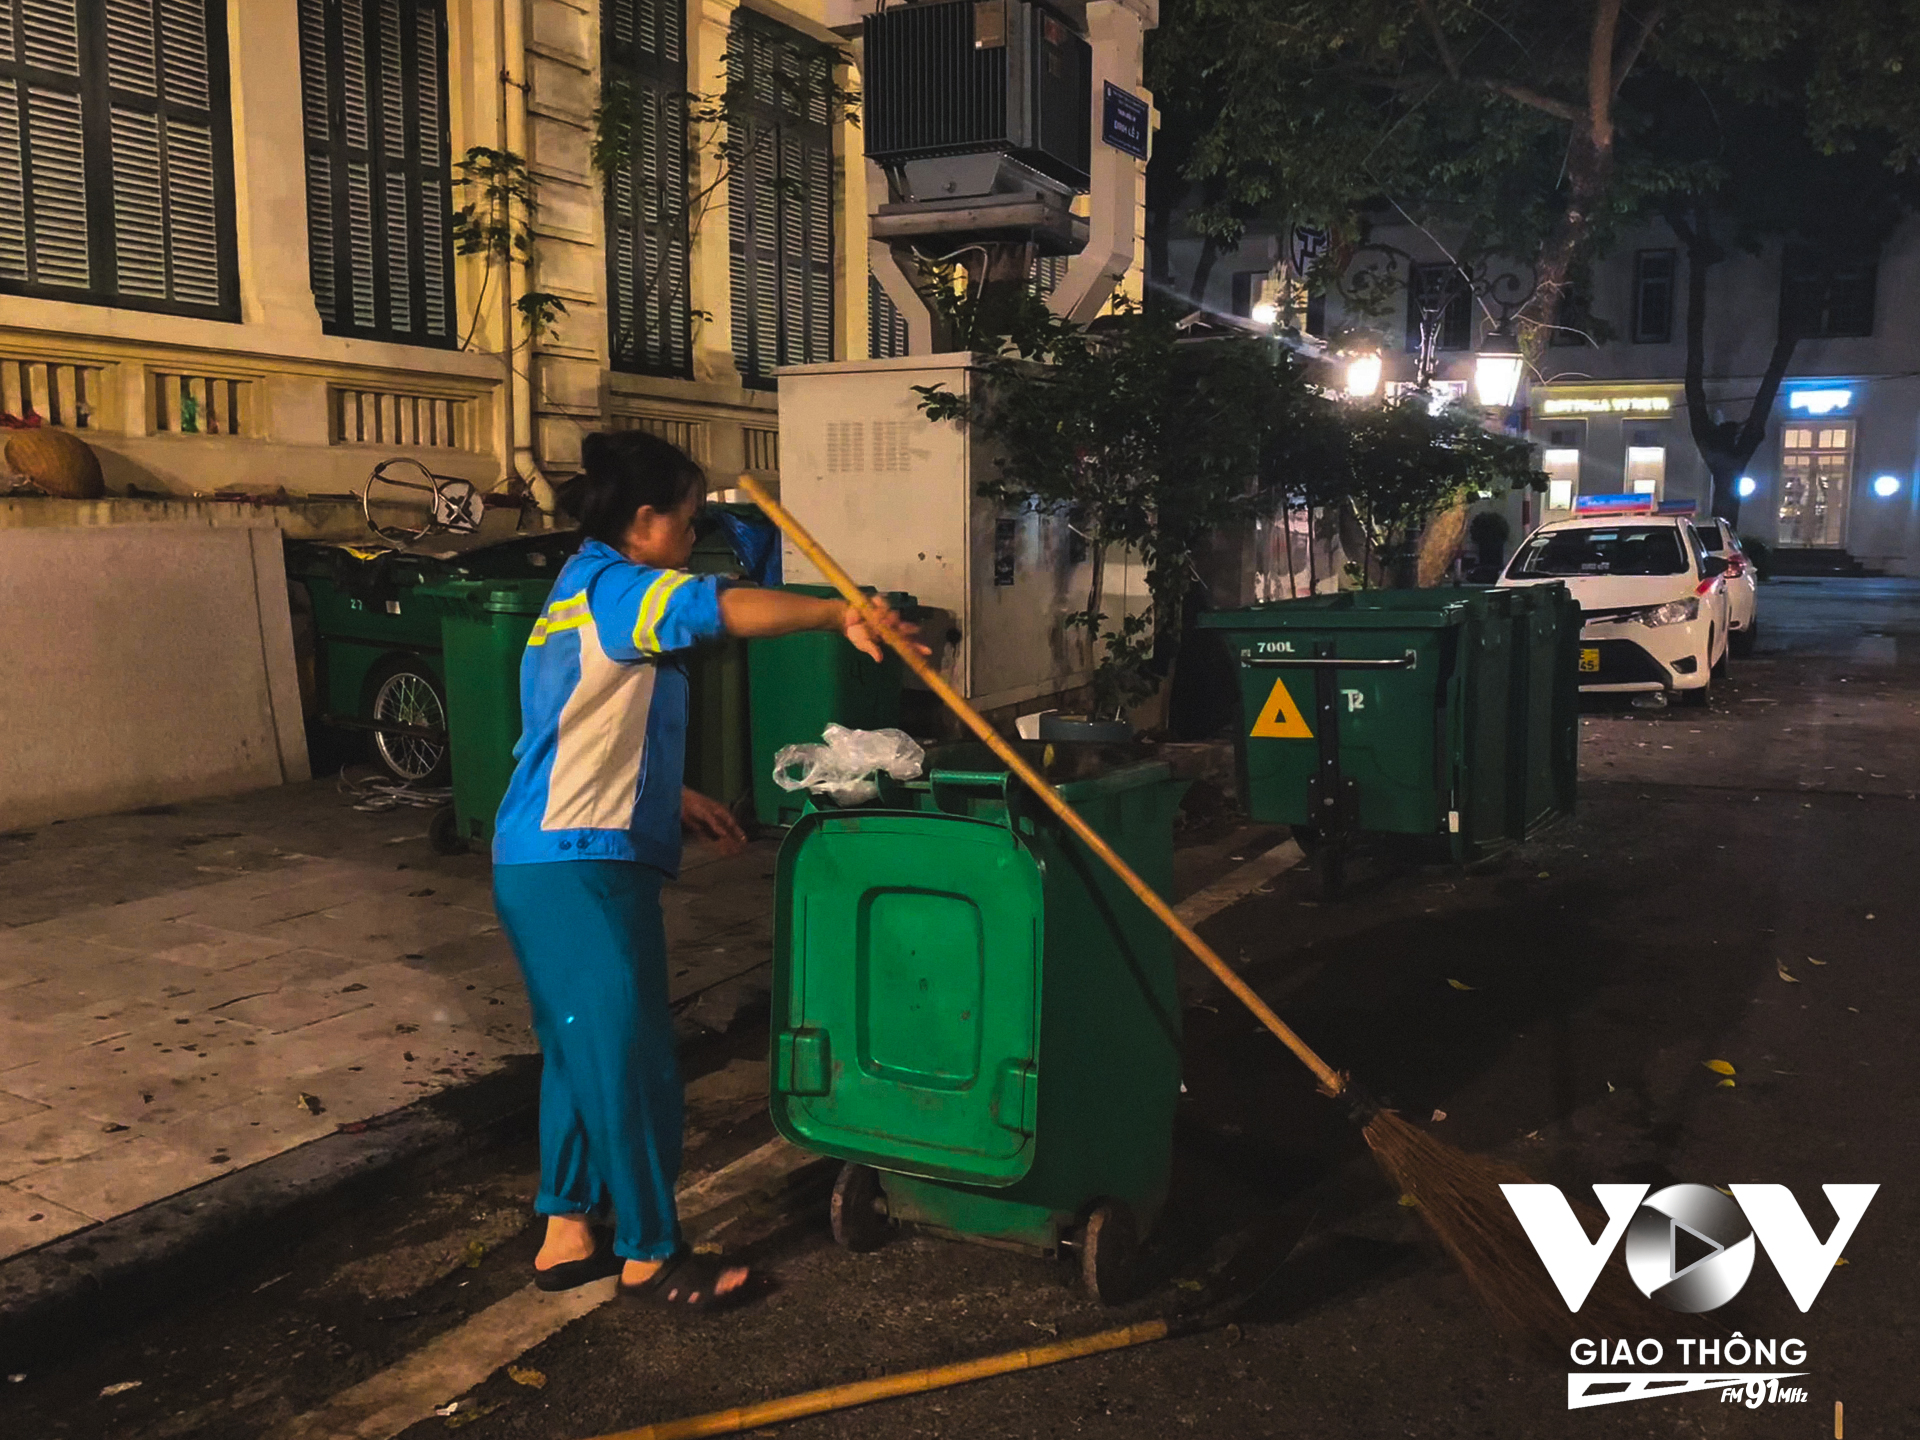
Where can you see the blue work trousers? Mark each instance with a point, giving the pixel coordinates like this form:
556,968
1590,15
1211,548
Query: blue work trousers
593,950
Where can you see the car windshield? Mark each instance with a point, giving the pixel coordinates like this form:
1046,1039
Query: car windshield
1593,550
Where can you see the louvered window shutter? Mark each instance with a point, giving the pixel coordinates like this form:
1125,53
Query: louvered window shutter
780,200
643,64
116,168
886,326
373,87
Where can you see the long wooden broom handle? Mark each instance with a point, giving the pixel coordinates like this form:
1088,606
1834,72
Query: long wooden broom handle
1331,1080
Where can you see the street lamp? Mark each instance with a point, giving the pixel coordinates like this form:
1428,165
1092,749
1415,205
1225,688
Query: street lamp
1265,313
1363,376
1886,486
1745,486
1496,370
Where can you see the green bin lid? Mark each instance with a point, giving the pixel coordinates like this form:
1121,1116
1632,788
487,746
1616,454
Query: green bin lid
500,597
1355,610
907,993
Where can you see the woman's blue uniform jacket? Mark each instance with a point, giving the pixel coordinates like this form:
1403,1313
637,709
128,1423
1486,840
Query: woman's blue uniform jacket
604,714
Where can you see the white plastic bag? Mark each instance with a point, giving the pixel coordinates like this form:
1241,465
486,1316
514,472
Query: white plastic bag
842,769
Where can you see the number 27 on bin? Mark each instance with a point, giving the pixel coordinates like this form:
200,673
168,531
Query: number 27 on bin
1280,718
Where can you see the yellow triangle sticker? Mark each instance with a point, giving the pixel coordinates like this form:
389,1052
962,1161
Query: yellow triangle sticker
1280,718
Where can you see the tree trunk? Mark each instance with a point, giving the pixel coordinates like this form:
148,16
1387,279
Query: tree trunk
1727,446
1589,169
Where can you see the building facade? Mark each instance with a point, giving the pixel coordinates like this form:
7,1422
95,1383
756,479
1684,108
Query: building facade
1839,467
232,256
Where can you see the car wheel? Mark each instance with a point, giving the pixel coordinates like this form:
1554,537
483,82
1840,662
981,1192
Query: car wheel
402,691
1718,671
1698,699
1743,641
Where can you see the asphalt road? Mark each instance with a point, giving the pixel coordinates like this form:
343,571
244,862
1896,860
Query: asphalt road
1737,886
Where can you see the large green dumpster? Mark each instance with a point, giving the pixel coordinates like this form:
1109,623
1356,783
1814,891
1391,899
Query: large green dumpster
1546,690
1402,712
800,684
975,1015
484,625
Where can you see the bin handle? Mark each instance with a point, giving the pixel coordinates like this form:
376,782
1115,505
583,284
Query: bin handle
997,782
1408,661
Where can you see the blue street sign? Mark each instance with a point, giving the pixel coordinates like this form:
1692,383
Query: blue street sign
1125,126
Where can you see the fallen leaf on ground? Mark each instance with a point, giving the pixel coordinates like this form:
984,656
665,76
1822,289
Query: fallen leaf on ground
1542,875
1841,1261
1724,1084
1409,1202
1460,985
1719,1067
534,1379
1188,1284
1438,1116
1610,1089
120,1389
1812,961
1780,968
476,1252
309,1103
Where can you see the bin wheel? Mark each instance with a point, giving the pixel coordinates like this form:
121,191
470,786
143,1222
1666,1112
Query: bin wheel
403,691
859,1209
443,832
1109,1253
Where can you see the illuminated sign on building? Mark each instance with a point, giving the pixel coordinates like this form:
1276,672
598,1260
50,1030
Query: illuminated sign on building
1819,402
1608,405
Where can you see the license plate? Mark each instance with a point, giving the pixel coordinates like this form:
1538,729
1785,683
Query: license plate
1590,661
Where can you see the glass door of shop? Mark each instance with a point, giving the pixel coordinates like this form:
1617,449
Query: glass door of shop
1816,479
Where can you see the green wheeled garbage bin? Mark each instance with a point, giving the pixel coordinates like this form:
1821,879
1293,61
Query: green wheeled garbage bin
1392,712
1546,692
975,1016
484,625
800,684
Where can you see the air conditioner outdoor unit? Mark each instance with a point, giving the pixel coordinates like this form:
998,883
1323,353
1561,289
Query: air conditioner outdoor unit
976,78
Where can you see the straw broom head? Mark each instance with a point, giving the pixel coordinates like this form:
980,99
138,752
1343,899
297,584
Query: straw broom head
1458,1195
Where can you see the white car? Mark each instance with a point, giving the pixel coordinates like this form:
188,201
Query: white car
1743,591
1654,602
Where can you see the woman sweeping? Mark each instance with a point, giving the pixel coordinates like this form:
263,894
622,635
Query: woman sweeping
590,830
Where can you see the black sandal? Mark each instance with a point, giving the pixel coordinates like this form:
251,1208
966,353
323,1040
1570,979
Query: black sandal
571,1274
687,1281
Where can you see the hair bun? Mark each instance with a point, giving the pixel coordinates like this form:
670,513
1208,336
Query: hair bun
597,451
571,495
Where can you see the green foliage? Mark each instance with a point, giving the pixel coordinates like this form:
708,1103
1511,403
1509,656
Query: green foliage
496,220
1480,119
1145,441
1136,439
1405,464
501,201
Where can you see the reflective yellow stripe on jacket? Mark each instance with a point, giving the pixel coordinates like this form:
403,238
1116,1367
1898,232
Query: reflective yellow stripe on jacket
653,609
568,614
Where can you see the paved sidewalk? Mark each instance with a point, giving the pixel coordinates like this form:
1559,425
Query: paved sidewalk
189,991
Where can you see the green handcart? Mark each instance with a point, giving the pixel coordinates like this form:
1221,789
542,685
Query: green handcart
1445,716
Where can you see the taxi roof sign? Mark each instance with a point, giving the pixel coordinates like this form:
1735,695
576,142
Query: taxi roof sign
1679,507
1613,505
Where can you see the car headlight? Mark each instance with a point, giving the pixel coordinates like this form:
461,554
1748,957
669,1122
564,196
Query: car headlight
1674,612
